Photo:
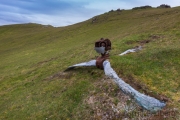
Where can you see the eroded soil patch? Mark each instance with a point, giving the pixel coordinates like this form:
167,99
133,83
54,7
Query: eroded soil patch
60,75
110,103
144,89
146,41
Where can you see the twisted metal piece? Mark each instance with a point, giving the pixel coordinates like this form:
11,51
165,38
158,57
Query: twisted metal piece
147,102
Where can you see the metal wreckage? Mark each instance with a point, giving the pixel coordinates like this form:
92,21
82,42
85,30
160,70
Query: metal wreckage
103,46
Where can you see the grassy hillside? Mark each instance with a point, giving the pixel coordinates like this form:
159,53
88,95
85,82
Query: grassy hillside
33,58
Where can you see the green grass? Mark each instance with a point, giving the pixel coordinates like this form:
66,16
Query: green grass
30,54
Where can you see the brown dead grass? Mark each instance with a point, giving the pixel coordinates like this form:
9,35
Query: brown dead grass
109,103
60,75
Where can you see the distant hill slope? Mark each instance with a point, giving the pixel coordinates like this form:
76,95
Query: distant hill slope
33,57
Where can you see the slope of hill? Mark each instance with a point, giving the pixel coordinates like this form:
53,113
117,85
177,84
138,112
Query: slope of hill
33,58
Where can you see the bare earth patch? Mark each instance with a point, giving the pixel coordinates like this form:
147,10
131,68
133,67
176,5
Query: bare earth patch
60,75
110,103
146,41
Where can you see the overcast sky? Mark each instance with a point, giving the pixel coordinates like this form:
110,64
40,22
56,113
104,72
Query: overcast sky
65,12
